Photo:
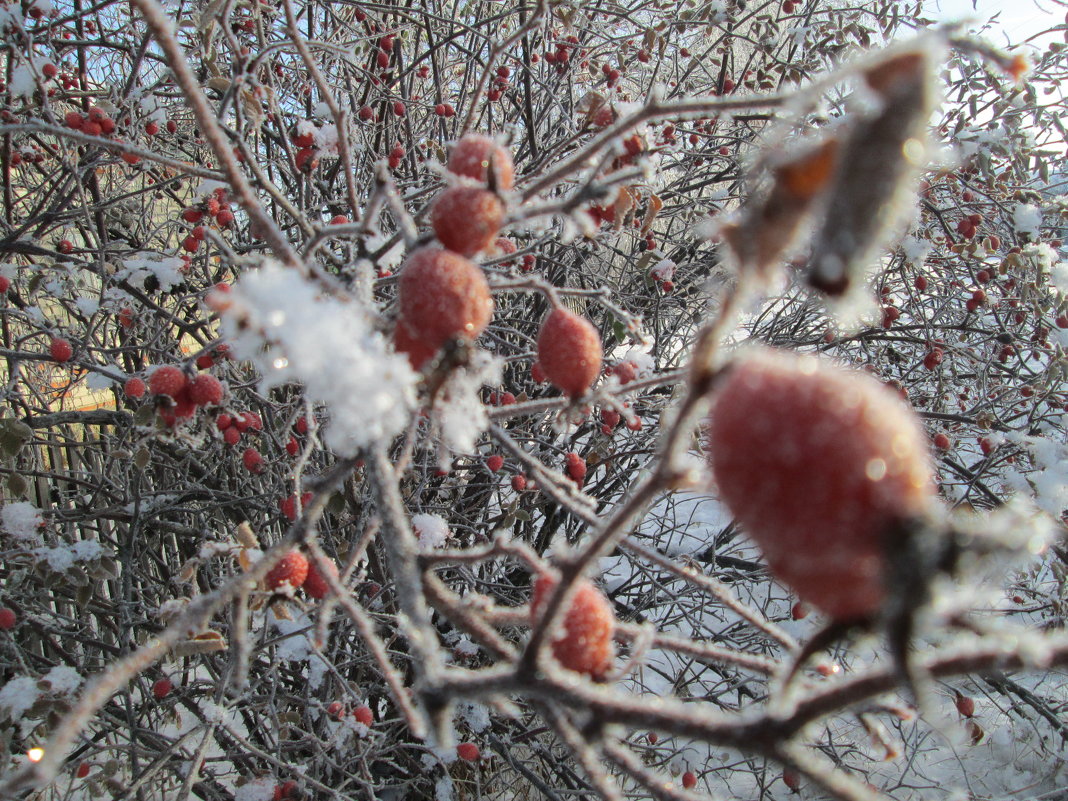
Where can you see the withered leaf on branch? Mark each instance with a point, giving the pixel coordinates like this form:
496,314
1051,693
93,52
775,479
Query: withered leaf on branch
878,170
770,225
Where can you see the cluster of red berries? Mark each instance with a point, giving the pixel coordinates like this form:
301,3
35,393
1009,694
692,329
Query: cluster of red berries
361,713
500,83
584,640
561,54
215,207
575,466
968,226
177,395
233,425
443,295
294,570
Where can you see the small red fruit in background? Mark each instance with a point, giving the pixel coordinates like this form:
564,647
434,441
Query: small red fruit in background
316,585
206,390
398,108
162,688
965,705
167,380
442,296
60,350
791,779
134,387
986,445
569,351
798,611
466,219
363,715
286,791
82,770
652,737
473,155
519,482
941,441
689,780
920,283
65,246
5,284
583,642
288,506
291,569
576,468
820,466
468,752
7,618
253,460
495,462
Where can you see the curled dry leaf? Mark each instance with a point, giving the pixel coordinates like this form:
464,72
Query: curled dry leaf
879,167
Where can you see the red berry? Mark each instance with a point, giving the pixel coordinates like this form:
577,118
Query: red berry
933,358
791,779
162,688
920,283
73,120
819,465
190,244
689,780
987,446
576,468
941,441
468,752
286,791
965,705
495,462
398,108
983,276
167,380
583,642
205,390
152,128
224,218
60,350
231,436
129,158
292,446
363,715
82,770
519,482
336,710
7,618
172,126
610,417
366,113
569,351
65,246
252,460
471,156
316,585
223,421
798,611
466,219
289,505
652,737
442,296
134,388
5,285
339,219
252,421
291,569
192,215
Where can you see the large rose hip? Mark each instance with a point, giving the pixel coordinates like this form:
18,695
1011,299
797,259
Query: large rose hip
569,351
442,296
821,467
583,640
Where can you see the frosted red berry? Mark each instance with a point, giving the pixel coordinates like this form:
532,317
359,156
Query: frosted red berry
317,585
252,460
821,467
288,506
576,468
468,752
495,462
167,380
583,640
205,390
291,569
569,352
466,219
519,482
134,388
689,780
60,350
8,619
472,156
363,715
442,296
162,688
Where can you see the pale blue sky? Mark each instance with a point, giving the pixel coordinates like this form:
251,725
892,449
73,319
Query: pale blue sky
1018,18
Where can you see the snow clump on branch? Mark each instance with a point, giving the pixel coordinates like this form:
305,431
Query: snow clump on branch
283,324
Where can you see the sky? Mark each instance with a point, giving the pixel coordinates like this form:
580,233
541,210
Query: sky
1019,19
